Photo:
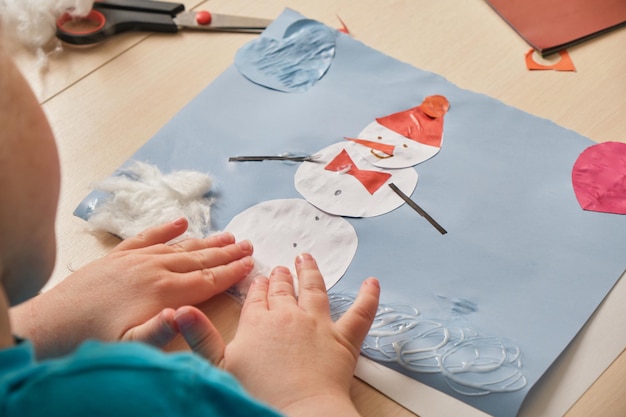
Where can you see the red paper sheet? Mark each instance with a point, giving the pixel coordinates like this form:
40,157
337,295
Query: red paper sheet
553,25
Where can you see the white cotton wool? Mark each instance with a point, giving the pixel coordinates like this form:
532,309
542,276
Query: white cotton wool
240,289
33,22
142,196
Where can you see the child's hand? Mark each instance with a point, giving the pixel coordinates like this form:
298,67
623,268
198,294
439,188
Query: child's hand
130,288
287,351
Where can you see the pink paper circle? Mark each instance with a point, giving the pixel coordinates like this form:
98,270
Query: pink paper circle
599,178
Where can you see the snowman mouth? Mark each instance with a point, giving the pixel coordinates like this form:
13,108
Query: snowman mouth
380,155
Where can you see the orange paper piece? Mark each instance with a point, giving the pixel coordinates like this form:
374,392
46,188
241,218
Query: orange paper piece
416,124
371,180
564,64
435,106
378,146
343,28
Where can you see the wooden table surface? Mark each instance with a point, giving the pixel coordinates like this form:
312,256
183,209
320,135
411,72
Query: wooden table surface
106,101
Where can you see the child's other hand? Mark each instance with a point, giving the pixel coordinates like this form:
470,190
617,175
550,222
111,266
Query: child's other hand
131,287
287,351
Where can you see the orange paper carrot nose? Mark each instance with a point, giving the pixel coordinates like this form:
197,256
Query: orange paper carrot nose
378,146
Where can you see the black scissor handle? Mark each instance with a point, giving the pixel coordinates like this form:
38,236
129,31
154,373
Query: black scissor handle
150,6
107,19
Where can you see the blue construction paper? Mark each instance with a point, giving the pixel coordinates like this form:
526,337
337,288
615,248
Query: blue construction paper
521,261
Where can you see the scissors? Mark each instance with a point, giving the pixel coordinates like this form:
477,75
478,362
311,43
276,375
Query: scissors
109,17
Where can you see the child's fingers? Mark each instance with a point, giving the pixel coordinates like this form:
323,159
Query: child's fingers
200,334
158,331
201,284
312,294
281,292
356,322
217,240
198,260
256,299
154,235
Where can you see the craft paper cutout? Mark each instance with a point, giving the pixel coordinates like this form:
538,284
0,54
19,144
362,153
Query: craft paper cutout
435,106
534,265
564,64
291,64
371,180
552,25
341,193
418,209
282,229
344,28
416,135
385,150
599,178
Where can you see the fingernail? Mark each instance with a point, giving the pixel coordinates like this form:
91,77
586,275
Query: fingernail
248,262
373,282
184,318
167,325
225,237
280,270
303,257
180,221
245,245
259,280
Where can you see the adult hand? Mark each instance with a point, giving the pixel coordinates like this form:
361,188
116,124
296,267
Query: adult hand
287,351
128,293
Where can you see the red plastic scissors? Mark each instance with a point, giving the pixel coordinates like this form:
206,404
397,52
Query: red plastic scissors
109,17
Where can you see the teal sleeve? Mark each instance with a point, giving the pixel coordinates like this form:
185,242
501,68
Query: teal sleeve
124,379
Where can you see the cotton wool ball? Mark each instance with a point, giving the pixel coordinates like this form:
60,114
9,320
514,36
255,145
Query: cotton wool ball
32,23
141,196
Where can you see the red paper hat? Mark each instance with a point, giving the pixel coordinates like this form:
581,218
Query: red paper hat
423,124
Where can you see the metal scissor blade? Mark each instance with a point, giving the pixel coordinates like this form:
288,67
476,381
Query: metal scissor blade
222,22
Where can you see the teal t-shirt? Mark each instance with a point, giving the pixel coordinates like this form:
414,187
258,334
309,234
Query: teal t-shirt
119,379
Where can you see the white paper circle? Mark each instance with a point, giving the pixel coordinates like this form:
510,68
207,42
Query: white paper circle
341,193
280,230
407,152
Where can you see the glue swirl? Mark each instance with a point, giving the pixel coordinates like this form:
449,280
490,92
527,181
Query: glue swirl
470,363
